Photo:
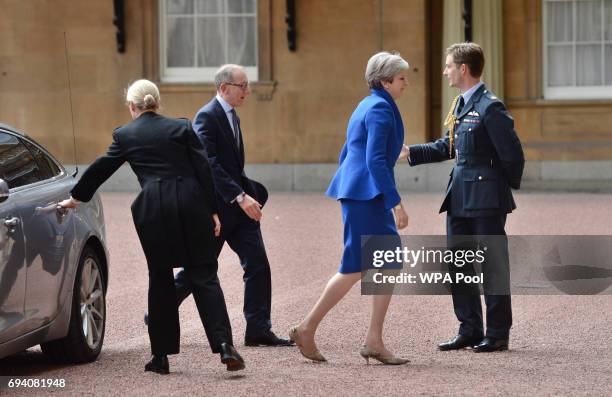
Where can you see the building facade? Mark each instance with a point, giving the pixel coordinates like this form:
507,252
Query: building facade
62,67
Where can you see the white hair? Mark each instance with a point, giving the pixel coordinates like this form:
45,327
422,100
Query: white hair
225,74
382,67
144,94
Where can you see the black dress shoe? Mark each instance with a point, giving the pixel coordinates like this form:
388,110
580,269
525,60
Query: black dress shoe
459,342
489,345
231,358
267,338
158,364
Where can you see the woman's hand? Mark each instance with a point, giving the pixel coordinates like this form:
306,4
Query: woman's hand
404,153
217,225
401,217
68,203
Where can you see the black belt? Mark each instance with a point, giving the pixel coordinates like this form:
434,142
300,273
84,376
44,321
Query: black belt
173,177
472,160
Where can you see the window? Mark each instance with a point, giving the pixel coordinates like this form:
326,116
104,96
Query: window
17,165
47,167
198,36
577,49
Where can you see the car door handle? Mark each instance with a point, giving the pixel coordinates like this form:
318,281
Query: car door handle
62,212
49,208
11,222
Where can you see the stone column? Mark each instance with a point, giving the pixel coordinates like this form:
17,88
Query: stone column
453,32
487,31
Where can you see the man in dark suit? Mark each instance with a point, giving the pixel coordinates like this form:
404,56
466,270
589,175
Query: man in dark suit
240,201
489,161
175,215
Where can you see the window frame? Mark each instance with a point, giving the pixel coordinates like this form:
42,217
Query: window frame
573,92
22,138
18,170
48,159
198,74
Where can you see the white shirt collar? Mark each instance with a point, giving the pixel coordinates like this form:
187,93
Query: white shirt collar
468,94
226,106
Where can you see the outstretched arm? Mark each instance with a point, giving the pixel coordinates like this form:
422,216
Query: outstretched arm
99,171
432,152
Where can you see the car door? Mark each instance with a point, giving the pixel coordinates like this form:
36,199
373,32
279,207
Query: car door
12,251
49,236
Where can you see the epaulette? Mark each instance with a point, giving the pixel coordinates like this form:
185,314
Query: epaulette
490,95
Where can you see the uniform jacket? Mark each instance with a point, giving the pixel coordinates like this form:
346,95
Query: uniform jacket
225,157
374,139
172,213
488,159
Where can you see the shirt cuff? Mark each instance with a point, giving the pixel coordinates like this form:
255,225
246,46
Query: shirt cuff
236,198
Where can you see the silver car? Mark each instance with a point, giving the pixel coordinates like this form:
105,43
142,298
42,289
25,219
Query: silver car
53,263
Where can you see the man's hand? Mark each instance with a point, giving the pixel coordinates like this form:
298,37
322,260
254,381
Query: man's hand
217,225
251,207
401,217
404,153
68,203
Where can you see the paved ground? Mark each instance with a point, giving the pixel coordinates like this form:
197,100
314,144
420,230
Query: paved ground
561,345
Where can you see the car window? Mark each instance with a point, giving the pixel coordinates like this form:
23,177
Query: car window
48,168
17,165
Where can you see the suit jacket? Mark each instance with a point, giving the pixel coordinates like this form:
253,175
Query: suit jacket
489,159
225,157
172,213
374,139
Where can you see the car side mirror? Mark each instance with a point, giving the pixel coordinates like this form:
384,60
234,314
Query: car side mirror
4,191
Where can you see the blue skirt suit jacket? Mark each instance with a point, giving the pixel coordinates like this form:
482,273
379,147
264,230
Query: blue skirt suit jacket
364,182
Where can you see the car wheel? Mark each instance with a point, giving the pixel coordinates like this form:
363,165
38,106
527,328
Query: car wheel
88,315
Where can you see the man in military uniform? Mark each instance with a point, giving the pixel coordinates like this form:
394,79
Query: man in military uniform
489,161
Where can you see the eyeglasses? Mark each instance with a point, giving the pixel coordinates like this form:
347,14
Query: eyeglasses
243,86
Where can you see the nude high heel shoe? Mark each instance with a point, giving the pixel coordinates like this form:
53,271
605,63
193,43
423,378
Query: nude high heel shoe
315,355
368,353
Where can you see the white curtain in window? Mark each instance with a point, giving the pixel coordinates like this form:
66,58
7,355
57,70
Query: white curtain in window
209,33
210,6
588,43
560,26
588,64
609,64
560,66
608,38
608,19
241,41
180,7
560,47
588,20
211,41
180,42
575,45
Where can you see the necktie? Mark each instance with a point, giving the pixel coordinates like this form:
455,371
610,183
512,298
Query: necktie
236,123
460,105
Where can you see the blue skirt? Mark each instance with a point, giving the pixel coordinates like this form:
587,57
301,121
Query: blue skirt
362,218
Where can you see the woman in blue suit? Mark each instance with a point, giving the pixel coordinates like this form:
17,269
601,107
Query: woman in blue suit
365,185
